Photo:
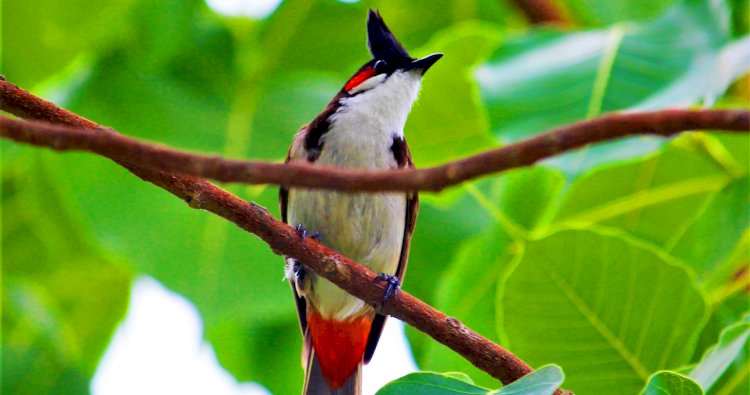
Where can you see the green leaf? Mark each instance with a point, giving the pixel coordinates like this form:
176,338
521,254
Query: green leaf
541,382
529,195
671,383
459,376
608,310
711,238
598,71
646,196
737,146
717,358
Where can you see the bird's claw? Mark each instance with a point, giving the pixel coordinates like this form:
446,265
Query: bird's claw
303,233
391,288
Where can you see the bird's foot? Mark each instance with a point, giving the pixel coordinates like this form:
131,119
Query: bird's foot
391,288
303,233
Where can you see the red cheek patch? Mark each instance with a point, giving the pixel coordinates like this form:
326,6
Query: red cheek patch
359,78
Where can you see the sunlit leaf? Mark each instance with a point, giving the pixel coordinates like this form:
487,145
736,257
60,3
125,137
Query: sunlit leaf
671,383
646,196
541,382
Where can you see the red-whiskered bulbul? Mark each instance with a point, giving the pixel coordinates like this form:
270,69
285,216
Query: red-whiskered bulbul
362,128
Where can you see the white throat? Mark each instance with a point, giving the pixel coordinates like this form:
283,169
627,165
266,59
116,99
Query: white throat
363,128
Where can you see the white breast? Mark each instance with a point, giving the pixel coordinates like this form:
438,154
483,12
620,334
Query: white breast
368,228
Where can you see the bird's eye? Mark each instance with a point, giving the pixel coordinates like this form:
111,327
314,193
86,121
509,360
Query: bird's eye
380,66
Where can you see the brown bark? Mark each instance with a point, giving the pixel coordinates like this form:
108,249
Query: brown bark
148,155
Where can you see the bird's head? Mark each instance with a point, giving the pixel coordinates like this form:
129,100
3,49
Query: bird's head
391,72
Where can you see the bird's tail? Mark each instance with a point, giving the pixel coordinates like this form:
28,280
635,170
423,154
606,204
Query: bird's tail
316,384
334,362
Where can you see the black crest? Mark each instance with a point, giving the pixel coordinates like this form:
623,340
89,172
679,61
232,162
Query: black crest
383,45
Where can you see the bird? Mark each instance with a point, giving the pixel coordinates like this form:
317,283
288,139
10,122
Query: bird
360,128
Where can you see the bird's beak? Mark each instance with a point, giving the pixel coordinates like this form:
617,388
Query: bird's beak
425,63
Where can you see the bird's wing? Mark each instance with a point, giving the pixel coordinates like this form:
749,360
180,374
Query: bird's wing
412,205
295,152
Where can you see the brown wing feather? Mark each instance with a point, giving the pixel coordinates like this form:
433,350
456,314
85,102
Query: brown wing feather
412,206
294,151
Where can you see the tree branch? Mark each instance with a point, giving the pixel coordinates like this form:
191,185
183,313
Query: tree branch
543,12
142,154
283,239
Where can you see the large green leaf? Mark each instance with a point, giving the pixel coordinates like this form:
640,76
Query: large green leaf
62,297
671,383
647,196
541,382
608,310
547,78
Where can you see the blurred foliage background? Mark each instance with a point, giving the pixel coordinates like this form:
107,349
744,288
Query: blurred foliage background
614,262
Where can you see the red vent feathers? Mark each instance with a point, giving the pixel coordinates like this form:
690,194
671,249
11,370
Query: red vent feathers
339,345
359,78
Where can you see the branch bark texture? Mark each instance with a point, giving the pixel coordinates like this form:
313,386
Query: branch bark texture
283,239
133,152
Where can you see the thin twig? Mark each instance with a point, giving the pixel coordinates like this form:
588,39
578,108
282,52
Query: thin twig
543,11
143,154
283,239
